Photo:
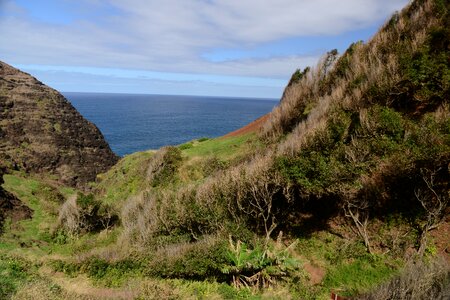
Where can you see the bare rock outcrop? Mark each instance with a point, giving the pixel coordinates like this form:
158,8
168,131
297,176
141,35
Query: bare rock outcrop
41,132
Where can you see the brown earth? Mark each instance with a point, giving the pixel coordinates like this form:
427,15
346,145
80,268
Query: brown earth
316,273
441,237
41,132
252,127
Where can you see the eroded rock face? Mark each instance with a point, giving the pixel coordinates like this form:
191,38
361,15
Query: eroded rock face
40,131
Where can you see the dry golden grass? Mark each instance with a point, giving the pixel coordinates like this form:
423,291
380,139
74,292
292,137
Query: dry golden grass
305,102
246,191
69,216
419,280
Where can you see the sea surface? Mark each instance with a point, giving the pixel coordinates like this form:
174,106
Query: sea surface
131,122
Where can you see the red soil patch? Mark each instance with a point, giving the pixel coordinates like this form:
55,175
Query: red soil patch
441,237
252,127
316,274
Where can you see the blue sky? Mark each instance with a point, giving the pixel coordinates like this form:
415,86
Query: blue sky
245,48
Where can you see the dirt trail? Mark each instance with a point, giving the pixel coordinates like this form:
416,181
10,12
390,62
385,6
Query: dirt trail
82,286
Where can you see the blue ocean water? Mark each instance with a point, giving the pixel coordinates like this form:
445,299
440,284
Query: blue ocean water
133,123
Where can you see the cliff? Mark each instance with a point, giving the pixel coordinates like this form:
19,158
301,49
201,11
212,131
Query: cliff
41,131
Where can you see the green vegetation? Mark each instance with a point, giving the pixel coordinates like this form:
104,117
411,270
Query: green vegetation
163,167
350,269
225,149
261,266
57,127
124,179
13,273
343,185
37,230
298,75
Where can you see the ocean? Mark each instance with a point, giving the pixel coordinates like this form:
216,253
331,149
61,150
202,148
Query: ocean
131,122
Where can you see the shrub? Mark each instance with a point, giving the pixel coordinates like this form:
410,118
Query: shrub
112,274
83,213
212,165
311,171
185,146
199,260
419,280
298,75
163,166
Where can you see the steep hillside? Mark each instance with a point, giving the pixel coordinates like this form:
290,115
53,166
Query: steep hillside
363,135
40,131
344,189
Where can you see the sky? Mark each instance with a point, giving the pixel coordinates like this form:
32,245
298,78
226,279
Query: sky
239,48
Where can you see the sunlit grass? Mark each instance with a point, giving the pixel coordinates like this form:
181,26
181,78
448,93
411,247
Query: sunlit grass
222,148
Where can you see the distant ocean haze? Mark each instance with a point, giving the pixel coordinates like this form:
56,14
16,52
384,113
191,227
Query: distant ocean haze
132,123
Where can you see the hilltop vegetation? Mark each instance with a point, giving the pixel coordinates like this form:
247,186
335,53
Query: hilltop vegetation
342,189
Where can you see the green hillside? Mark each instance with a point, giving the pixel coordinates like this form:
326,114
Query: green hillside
344,189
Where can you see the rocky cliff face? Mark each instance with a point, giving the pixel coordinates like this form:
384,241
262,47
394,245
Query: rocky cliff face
40,131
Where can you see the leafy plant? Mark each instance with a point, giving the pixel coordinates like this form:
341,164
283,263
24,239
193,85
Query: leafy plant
259,267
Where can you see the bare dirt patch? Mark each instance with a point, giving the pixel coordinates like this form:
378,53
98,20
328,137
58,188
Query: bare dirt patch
441,237
316,273
252,127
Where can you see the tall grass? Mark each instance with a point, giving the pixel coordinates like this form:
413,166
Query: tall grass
419,280
255,193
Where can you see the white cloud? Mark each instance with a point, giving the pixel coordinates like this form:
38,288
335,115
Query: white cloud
71,81
172,35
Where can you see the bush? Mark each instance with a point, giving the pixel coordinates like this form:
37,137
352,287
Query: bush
310,171
83,213
212,165
163,166
200,260
185,146
298,75
419,280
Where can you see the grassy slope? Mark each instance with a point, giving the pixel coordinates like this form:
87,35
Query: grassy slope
28,251
128,176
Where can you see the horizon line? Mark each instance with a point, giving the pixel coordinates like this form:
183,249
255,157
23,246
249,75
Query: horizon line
181,95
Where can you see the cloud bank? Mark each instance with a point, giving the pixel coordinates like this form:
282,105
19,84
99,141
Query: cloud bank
179,36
